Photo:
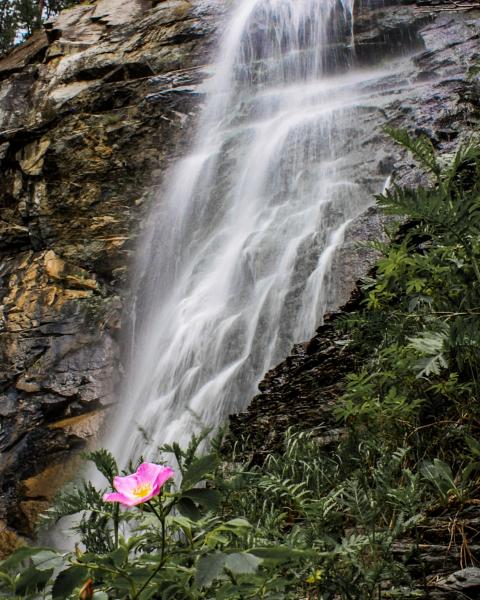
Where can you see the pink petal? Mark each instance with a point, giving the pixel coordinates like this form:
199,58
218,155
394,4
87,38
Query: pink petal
148,496
164,476
125,485
114,497
132,501
125,500
157,475
147,474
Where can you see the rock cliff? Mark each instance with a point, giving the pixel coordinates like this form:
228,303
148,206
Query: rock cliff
92,112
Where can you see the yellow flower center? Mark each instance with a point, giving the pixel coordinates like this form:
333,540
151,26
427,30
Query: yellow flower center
142,490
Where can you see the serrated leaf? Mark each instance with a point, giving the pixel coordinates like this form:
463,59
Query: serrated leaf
199,469
431,365
428,342
209,567
431,344
421,148
67,581
209,499
104,461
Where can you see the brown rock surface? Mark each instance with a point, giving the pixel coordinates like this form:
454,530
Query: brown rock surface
88,111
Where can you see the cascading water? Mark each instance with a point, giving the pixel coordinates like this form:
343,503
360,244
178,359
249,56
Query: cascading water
234,268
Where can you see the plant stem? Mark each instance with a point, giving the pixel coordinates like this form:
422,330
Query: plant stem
116,523
161,518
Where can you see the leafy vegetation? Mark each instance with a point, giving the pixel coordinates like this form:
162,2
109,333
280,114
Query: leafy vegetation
19,18
317,523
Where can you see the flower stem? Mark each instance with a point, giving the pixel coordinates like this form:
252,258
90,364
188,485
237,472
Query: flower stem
116,519
161,518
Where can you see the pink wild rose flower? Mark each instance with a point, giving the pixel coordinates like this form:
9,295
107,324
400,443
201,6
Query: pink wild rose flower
141,486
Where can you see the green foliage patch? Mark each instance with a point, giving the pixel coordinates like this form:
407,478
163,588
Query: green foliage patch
20,18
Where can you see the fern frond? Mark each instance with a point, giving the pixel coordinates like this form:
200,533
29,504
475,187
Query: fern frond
421,148
76,500
104,461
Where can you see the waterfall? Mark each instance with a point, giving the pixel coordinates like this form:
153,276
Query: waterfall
235,266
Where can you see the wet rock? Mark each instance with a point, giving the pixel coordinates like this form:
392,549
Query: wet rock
299,393
80,136
464,583
301,390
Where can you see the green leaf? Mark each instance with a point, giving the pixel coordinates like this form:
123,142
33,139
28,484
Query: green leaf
48,559
180,521
428,342
6,579
421,148
466,475
199,469
431,344
32,580
67,581
473,445
236,524
187,508
19,556
209,567
119,556
104,461
280,553
440,475
242,563
431,365
209,499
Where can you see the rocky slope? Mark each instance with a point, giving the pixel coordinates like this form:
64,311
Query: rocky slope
445,106
92,111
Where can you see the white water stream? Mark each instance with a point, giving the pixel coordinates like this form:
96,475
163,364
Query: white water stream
235,267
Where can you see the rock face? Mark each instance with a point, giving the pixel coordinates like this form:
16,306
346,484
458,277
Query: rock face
92,112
